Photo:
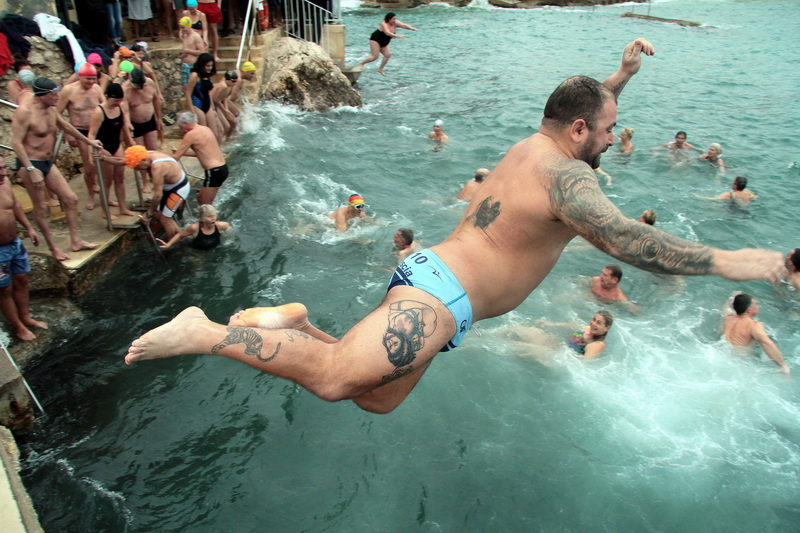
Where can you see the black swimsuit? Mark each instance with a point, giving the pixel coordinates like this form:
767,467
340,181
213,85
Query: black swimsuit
204,241
381,38
109,131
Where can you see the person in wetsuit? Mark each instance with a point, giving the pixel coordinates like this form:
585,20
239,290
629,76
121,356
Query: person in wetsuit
379,40
205,233
107,125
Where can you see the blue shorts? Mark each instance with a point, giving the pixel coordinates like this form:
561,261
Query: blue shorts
424,270
186,70
13,260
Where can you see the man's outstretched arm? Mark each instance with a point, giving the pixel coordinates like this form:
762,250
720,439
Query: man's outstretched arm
760,335
577,200
631,62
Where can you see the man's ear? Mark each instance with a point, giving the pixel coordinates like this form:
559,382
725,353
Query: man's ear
578,130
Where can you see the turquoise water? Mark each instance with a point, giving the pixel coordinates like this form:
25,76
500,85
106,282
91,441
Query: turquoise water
667,432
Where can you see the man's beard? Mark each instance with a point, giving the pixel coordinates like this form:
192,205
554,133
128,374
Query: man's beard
591,156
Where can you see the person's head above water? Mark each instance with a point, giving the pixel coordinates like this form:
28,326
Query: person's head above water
355,200
742,302
389,17
600,324
740,183
481,174
648,217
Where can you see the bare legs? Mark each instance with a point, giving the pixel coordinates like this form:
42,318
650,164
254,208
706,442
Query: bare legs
14,306
355,367
58,185
375,50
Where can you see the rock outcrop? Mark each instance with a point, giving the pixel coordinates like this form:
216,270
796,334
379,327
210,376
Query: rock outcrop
302,74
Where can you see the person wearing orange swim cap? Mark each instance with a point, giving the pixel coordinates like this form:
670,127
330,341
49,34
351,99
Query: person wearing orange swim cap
134,155
170,185
354,209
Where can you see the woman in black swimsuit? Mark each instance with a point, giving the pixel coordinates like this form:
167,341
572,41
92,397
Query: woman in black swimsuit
205,232
198,92
379,40
106,126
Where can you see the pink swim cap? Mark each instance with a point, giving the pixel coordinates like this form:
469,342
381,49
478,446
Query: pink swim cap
95,59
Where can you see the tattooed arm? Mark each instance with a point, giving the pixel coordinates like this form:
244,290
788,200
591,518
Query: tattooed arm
577,200
631,62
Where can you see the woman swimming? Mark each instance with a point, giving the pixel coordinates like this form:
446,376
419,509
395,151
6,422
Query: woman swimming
379,40
205,233
588,341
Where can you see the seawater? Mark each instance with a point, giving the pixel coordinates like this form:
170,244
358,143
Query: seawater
666,432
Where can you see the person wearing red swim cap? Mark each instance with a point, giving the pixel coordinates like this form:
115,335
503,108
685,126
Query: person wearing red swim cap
80,98
354,209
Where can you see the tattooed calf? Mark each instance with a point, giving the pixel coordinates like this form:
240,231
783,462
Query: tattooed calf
252,342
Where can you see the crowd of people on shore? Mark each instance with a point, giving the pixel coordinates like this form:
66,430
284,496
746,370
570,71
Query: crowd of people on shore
114,115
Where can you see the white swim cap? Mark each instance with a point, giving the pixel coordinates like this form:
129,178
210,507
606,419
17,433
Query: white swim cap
439,123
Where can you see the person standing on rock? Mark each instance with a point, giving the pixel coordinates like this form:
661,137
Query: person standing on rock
14,266
380,38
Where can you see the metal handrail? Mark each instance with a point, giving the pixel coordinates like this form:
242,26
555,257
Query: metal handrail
247,24
304,20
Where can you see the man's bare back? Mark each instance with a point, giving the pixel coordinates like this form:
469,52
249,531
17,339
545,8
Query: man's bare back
203,143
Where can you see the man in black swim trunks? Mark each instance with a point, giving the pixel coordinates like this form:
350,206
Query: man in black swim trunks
142,114
199,141
33,129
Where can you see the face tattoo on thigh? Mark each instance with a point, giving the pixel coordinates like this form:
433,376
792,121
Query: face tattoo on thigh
410,323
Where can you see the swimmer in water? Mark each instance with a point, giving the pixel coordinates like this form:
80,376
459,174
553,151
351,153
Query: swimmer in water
438,133
354,209
625,144
606,285
713,157
404,243
648,217
742,330
587,341
206,233
738,194
793,266
469,189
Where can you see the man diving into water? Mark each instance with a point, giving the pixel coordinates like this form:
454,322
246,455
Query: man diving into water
541,195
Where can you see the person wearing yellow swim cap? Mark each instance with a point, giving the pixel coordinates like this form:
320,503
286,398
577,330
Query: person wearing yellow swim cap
193,46
247,71
354,209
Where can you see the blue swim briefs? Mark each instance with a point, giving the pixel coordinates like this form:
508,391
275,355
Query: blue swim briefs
13,260
424,270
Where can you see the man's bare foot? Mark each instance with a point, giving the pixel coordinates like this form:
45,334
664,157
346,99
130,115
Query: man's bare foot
168,340
113,216
35,323
24,334
85,245
112,203
90,203
382,73
288,316
59,255
127,212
